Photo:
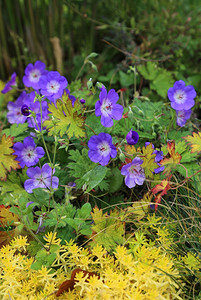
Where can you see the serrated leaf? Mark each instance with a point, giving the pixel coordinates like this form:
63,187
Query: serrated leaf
194,142
161,189
7,159
148,71
84,211
125,79
148,158
187,157
15,130
172,159
7,217
162,83
68,119
130,149
108,230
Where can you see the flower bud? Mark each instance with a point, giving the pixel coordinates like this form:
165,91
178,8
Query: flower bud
132,137
25,110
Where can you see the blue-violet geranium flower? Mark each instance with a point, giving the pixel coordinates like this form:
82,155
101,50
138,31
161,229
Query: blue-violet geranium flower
27,152
52,85
134,173
33,74
132,137
107,108
12,82
41,178
101,148
183,116
181,96
14,114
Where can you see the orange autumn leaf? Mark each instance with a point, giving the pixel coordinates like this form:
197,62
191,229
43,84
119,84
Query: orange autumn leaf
161,189
69,284
7,217
7,159
194,142
172,159
130,149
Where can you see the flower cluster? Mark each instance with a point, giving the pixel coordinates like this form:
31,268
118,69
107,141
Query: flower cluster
49,86
182,100
101,148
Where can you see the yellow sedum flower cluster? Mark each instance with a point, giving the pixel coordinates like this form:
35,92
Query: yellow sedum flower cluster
148,273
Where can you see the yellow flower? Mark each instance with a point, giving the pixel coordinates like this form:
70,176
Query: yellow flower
50,238
19,243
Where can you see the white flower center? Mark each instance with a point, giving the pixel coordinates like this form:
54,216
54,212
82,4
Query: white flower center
135,170
34,75
180,96
29,154
106,107
104,148
180,114
41,180
53,86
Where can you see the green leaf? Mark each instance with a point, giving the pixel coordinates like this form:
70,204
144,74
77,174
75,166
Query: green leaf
94,177
187,156
116,180
162,83
84,212
66,119
148,71
126,79
108,230
16,130
92,55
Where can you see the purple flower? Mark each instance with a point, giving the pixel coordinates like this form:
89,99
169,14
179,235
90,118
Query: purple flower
35,107
52,85
9,84
101,148
82,101
107,108
41,178
27,152
25,110
181,96
183,116
132,137
14,114
133,172
33,74
158,158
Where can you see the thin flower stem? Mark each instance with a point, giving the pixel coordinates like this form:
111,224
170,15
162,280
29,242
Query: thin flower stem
35,237
41,116
87,111
82,67
90,128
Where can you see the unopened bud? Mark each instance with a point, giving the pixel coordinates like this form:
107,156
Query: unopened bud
122,157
